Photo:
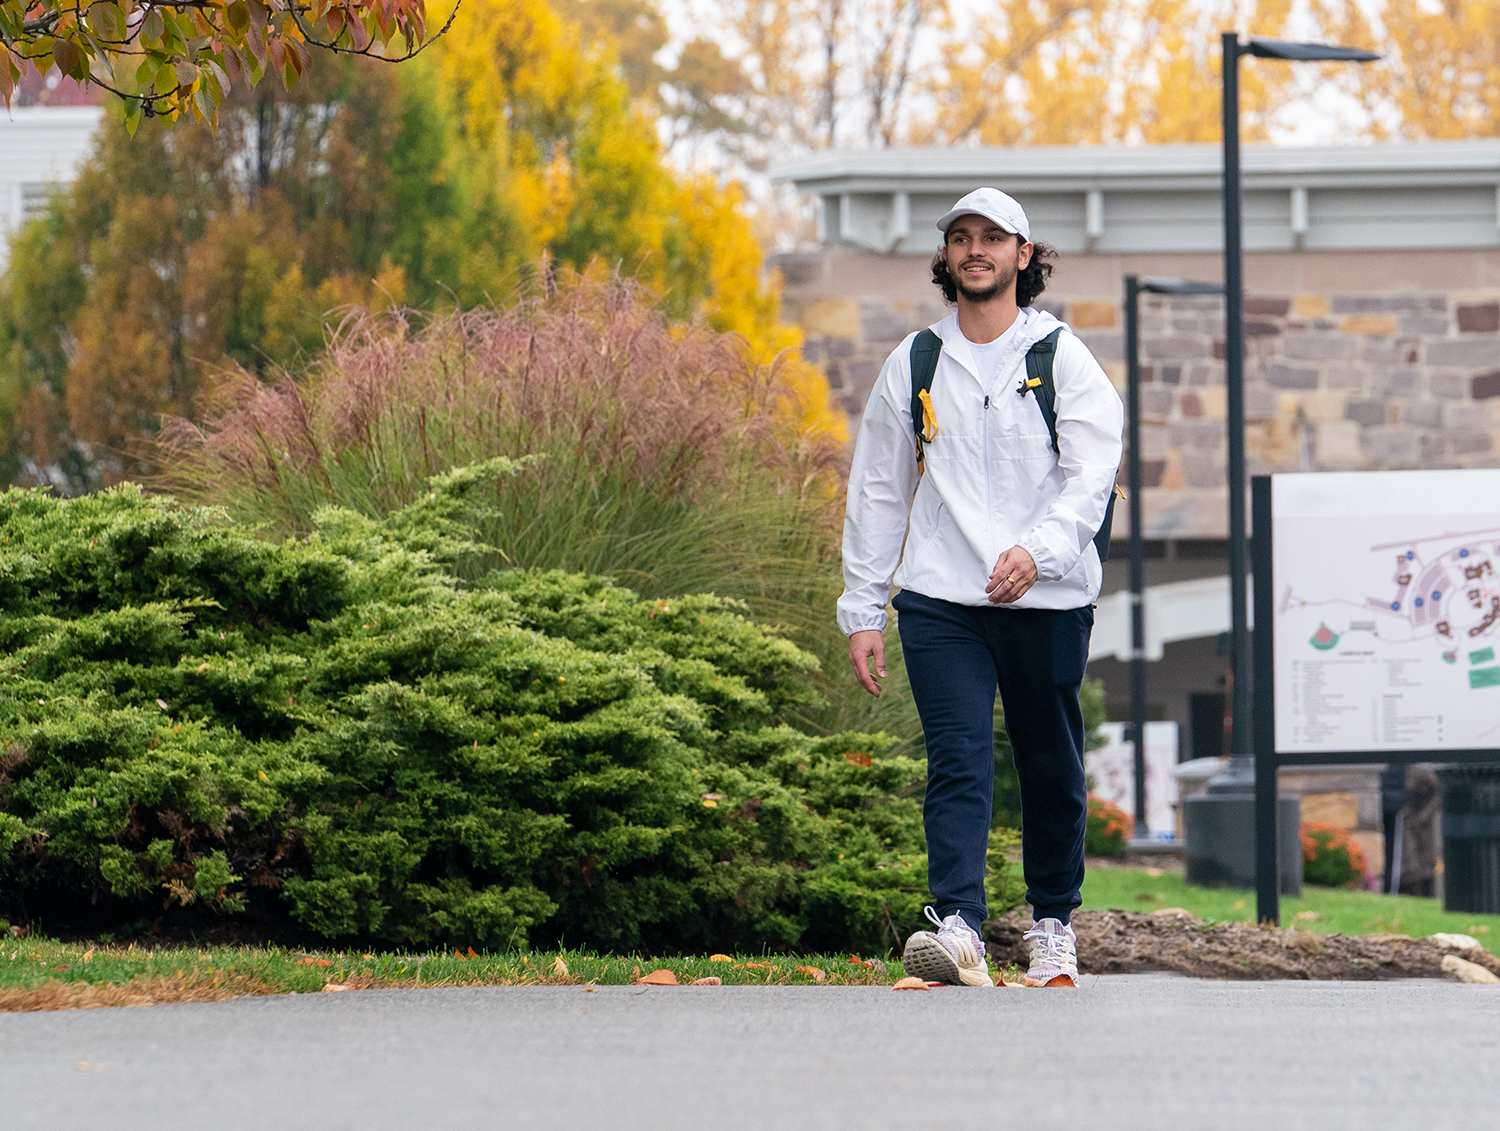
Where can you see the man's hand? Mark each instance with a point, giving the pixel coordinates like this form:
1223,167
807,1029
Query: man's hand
1014,573
863,646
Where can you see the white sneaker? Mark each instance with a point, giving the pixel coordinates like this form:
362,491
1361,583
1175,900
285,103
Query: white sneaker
1054,955
954,954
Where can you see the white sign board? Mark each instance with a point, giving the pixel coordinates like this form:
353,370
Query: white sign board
1112,770
1386,588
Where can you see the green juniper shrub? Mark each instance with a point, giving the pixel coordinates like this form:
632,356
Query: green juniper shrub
335,737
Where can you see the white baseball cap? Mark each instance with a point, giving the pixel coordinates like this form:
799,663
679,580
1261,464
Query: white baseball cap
993,205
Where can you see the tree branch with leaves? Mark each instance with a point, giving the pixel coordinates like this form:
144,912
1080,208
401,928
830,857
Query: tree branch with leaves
177,58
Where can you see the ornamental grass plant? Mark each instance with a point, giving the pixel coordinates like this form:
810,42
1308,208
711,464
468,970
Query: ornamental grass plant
660,454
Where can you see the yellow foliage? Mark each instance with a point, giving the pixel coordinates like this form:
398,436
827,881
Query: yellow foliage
1442,70
1098,72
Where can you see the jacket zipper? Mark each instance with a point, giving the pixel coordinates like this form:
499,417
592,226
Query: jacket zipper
989,508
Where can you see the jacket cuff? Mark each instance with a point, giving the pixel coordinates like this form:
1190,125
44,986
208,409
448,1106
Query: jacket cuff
1033,546
867,624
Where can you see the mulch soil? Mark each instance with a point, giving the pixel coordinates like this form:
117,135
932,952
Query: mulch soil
1124,942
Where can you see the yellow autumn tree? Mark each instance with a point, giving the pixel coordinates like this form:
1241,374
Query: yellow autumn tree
1440,77
546,111
1098,72
446,181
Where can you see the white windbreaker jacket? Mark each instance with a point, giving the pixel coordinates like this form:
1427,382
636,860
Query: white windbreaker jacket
992,480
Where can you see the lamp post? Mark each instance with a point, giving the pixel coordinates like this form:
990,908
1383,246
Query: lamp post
1234,361
1220,824
1134,287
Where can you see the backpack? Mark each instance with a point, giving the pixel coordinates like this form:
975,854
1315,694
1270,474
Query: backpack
926,348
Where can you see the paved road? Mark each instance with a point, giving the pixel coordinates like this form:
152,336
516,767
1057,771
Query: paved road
1120,1053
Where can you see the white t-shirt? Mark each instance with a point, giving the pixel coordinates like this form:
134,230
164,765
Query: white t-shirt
989,355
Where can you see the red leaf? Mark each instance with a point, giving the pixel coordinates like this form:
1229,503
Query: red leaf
858,758
660,978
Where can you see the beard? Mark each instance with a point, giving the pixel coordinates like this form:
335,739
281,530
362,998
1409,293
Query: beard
1005,275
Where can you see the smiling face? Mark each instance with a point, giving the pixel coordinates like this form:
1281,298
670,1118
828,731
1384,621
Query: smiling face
983,257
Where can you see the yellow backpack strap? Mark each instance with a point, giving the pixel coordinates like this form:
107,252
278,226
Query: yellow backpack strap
928,429
926,347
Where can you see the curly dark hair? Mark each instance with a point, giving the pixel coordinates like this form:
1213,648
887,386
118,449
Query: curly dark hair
1031,280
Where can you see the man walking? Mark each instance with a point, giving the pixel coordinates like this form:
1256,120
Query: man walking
996,489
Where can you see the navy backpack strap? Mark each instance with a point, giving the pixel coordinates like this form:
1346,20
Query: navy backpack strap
1039,379
925,349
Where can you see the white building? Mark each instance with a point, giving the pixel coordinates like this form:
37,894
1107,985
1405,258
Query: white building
40,147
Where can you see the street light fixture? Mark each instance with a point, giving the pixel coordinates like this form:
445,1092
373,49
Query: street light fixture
1234,341
1134,288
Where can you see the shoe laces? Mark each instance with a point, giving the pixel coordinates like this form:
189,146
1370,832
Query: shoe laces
958,937
1055,941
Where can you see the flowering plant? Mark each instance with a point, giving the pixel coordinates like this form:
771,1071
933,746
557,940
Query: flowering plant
1330,856
1109,829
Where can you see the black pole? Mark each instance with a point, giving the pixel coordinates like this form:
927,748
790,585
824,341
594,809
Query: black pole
1234,379
1267,864
1137,552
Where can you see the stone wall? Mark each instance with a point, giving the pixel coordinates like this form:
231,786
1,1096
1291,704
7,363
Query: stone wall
1342,379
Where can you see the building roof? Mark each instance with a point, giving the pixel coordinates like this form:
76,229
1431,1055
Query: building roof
1136,198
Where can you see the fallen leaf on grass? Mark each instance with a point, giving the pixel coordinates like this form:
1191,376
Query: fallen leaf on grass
814,973
660,978
335,987
720,958
911,984
314,962
760,966
559,968
709,981
1307,916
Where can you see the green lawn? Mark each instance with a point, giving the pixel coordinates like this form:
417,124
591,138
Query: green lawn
1329,910
31,965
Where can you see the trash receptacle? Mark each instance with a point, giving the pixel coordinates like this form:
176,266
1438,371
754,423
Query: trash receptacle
1471,838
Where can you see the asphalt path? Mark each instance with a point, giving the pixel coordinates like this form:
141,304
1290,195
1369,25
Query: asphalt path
1119,1053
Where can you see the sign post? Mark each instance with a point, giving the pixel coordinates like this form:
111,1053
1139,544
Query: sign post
1377,627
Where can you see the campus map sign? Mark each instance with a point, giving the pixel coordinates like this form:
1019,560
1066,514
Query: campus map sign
1387,610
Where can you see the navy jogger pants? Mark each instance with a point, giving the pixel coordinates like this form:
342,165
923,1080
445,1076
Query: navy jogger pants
956,656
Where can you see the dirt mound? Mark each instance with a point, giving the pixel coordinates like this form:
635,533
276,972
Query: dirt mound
1124,942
